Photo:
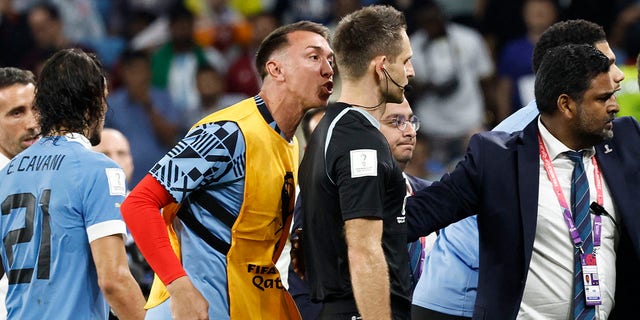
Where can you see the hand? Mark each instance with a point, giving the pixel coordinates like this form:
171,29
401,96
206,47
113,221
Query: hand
186,301
297,253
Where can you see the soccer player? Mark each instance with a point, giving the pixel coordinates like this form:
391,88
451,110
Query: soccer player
18,128
63,236
233,174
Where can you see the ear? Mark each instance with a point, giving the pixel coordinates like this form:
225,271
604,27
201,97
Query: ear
274,69
567,107
378,64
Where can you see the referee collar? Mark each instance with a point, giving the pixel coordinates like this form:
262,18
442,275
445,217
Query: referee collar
369,117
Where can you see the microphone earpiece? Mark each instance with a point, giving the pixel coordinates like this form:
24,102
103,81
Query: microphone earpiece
406,87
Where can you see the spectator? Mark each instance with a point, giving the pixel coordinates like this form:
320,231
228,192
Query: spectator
174,64
13,23
212,93
144,114
46,26
453,70
515,80
242,77
18,129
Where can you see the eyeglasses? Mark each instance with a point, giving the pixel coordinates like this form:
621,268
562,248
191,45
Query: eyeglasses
400,122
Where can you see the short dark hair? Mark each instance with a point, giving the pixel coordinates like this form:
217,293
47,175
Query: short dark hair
306,120
278,39
70,95
567,69
130,55
366,33
52,10
178,11
577,31
10,76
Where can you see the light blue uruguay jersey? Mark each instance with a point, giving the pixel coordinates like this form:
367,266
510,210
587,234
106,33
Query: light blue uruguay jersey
57,196
210,159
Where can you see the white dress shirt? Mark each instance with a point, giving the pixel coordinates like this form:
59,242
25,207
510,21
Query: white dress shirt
548,292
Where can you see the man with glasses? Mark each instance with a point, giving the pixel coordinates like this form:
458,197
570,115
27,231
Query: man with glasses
400,126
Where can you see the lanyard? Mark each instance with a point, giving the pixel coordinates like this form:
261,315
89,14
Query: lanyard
568,219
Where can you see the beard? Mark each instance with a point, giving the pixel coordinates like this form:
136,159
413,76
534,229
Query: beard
592,130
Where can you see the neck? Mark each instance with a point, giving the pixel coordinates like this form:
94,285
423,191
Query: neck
560,129
358,94
286,112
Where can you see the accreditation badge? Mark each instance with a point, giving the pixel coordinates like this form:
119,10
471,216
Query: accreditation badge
590,279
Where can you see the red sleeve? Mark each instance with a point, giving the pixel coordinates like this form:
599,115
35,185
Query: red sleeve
141,213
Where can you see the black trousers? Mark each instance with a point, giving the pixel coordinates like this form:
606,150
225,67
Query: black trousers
420,313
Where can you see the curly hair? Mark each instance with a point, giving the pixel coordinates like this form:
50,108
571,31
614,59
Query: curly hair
566,32
567,69
366,33
70,95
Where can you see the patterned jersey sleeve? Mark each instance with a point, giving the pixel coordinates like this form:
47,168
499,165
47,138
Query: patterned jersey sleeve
210,154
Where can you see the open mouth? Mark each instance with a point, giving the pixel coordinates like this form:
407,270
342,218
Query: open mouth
328,87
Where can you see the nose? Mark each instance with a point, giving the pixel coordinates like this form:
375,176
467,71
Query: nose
409,131
408,69
327,69
616,73
31,121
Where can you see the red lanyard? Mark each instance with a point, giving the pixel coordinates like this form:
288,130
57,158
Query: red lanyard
568,219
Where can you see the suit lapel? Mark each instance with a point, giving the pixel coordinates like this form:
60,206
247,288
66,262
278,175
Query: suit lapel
528,157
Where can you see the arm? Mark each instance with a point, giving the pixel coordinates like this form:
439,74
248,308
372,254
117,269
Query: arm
141,212
503,98
115,279
366,262
164,129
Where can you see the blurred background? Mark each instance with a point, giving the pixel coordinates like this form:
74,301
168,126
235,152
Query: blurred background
170,62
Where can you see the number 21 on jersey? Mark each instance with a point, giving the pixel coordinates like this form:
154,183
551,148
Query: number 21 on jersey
28,204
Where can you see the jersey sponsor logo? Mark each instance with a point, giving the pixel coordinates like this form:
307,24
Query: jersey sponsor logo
116,180
36,163
263,278
364,162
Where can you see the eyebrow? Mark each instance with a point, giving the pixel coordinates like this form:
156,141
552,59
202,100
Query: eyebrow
317,48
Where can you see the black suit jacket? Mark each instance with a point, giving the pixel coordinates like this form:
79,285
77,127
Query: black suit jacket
498,179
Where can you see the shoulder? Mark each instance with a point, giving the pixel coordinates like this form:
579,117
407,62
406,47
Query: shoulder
626,123
418,183
626,131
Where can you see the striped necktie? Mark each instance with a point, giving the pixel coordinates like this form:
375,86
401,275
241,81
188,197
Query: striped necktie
580,198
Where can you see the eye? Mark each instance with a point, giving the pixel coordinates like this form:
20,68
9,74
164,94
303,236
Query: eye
16,112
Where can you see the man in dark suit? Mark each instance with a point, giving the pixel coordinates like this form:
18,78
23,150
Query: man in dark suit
528,260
